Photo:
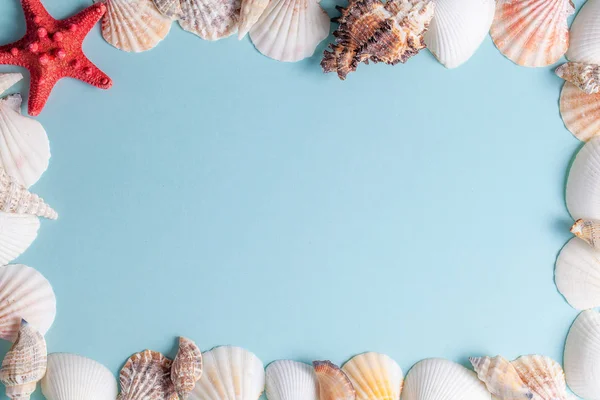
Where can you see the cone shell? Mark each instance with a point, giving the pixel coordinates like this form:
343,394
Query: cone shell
588,231
585,34
290,30
230,373
532,33
374,376
291,380
333,382
25,363
577,274
250,13
7,80
15,198
501,378
543,376
580,112
147,376
169,8
17,232
583,184
134,25
73,377
210,19
582,356
585,76
187,367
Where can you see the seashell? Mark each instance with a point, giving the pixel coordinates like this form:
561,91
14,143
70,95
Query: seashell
7,80
458,28
580,111
582,356
24,145
588,231
439,379
187,367
501,378
584,44
291,380
290,30
583,183
15,198
577,274
230,373
210,19
134,25
25,363
532,33
333,382
585,76
370,30
250,13
147,376
543,376
73,377
17,232
169,8
374,376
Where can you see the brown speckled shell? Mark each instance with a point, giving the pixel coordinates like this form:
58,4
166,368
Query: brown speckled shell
169,8
187,367
585,76
147,376
333,382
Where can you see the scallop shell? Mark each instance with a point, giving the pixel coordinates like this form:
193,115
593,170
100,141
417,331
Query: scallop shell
543,376
458,28
169,8
532,33
290,30
24,145
17,232
187,367
370,30
588,231
577,274
210,19
7,80
501,378
134,25
374,376
15,198
333,382
580,112
583,184
73,377
291,380
250,13
230,373
25,363
582,356
585,76
147,376
585,34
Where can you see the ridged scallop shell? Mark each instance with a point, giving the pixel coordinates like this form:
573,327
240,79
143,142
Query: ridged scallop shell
210,19
588,231
458,28
24,145
585,76
15,198
370,30
580,111
577,274
169,8
582,356
439,379
374,376
187,367
17,233
291,380
73,377
250,13
532,33
25,363
147,376
583,184
134,25
334,384
290,30
585,34
501,378
8,79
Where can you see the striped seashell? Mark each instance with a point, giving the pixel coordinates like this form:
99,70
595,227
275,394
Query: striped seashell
187,367
15,198
147,376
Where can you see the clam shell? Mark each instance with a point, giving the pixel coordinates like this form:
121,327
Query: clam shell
577,274
501,378
250,13
543,376
230,373
458,28
17,232
187,367
333,382
585,34
290,30
291,380
582,356
439,379
374,376
15,198
210,19
585,76
134,25
169,8
580,111
588,231
73,377
532,33
7,80
583,183
147,376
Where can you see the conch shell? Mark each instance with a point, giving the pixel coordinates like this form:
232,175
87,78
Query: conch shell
333,382
585,76
187,367
15,198
588,231
390,32
25,363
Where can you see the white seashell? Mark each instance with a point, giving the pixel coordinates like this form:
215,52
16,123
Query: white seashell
210,19
577,274
580,111
290,30
588,231
291,380
585,34
15,198
439,379
458,28
7,80
582,356
73,377
249,14
169,8
24,145
532,33
585,76
17,232
230,373
375,376
134,25
583,184
24,294
543,375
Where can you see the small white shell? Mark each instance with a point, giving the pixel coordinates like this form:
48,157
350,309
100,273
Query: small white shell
582,356
588,231
17,232
577,274
210,19
585,34
15,198
375,376
9,79
291,380
583,184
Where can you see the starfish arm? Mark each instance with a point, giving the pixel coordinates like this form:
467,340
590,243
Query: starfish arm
9,54
34,11
86,19
39,91
89,73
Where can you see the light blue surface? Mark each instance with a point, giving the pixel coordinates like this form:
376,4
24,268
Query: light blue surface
220,195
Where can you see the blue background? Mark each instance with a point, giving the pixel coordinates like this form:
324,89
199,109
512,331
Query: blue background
218,194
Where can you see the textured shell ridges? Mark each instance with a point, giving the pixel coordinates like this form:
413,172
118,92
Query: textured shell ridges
582,355
147,376
187,367
334,384
15,198
210,19
374,376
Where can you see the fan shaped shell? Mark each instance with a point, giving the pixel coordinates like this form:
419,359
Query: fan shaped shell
250,13
334,384
9,79
17,232
543,376
291,380
583,183
374,376
577,274
147,376
580,112
73,377
585,34
582,356
169,8
210,19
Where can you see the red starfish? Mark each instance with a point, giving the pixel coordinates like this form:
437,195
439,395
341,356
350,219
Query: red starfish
51,50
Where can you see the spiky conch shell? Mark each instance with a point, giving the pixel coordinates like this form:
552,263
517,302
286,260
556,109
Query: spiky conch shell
147,376
9,79
210,19
370,30
501,378
585,76
250,12
588,231
374,376
169,8
25,363
580,112
15,198
334,384
187,367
